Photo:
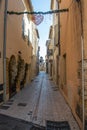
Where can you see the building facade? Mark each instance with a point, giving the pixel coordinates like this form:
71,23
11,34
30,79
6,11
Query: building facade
69,55
35,55
54,37
16,47
83,6
49,58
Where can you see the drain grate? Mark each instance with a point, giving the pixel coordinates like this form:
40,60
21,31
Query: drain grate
85,124
52,125
30,113
9,103
55,89
17,127
36,81
11,100
37,127
22,104
4,107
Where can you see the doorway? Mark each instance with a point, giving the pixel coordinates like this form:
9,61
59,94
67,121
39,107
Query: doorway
12,75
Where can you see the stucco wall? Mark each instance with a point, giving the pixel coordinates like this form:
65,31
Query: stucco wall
15,46
70,41
84,25
15,41
1,38
84,20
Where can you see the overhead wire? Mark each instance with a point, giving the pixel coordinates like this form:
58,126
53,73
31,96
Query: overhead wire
39,12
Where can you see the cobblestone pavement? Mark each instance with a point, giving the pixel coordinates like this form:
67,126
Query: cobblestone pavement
38,102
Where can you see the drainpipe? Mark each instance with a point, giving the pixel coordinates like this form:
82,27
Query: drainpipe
83,87
58,27
4,50
83,80
58,40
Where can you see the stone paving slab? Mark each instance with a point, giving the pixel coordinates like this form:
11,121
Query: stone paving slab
42,101
10,123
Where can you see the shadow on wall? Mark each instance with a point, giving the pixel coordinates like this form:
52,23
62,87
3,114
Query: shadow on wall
17,74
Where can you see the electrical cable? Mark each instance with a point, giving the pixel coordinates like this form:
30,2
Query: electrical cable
32,13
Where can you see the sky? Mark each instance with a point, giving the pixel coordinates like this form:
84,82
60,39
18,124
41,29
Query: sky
43,28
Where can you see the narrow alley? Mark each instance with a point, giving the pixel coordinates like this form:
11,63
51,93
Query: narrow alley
38,102
43,64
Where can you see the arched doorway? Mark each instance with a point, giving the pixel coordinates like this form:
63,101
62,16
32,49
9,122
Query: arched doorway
12,76
20,73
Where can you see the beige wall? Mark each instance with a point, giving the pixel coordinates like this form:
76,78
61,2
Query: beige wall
33,67
84,20
70,34
14,45
55,65
15,41
70,59
84,25
1,38
55,43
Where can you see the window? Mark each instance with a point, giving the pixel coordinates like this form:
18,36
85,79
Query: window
28,37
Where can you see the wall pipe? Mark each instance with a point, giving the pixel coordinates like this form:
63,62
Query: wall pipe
83,74
4,50
58,42
58,27
83,87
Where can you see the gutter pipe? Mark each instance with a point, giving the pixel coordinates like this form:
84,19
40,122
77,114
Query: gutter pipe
83,86
4,50
83,73
58,41
58,27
